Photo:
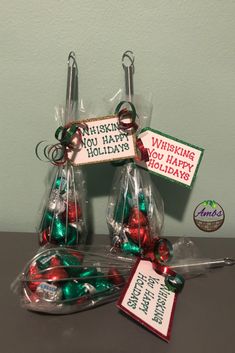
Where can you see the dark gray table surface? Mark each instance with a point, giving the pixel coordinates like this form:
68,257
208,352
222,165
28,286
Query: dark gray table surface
203,321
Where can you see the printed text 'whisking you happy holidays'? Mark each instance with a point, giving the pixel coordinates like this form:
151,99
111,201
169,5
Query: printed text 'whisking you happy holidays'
103,141
170,157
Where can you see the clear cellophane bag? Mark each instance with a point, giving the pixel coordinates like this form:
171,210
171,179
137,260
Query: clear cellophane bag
64,209
62,280
135,212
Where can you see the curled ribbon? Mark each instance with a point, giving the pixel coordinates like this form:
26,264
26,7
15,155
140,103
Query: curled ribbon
131,126
173,281
144,156
124,114
57,153
160,253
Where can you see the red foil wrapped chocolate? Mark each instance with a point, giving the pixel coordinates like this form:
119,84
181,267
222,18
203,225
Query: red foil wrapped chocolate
115,277
139,235
74,212
137,218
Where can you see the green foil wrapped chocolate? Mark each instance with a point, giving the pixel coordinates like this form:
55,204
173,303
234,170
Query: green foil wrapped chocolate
143,204
89,274
72,235
102,284
60,183
44,262
58,231
72,290
123,208
69,261
47,219
130,248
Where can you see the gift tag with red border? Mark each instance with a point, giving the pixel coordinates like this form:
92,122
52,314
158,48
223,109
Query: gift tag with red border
147,299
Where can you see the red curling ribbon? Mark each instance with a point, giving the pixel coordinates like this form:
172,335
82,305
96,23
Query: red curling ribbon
52,153
57,154
163,250
144,156
123,114
163,269
160,253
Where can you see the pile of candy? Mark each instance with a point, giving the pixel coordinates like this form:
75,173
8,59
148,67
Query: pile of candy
63,280
136,228
135,211
64,220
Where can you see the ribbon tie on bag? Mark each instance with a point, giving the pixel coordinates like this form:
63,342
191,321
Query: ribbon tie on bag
57,153
144,156
124,114
160,252
130,127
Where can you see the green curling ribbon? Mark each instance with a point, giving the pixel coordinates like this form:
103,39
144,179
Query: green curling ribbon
211,203
57,153
169,248
143,205
73,290
174,283
102,284
68,261
130,248
65,135
132,112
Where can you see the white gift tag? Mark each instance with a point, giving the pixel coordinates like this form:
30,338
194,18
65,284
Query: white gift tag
170,157
147,299
103,141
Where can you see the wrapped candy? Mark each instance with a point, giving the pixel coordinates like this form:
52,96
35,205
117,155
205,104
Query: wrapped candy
63,280
64,213
64,216
181,255
135,211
